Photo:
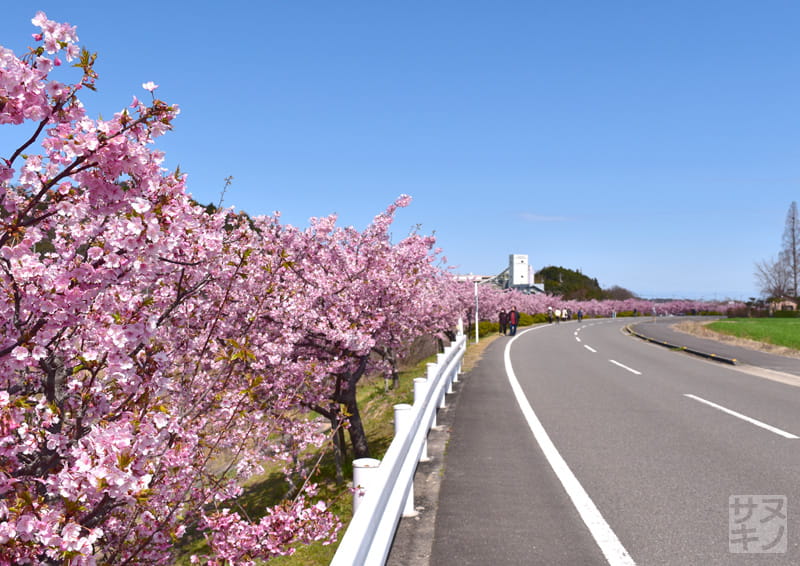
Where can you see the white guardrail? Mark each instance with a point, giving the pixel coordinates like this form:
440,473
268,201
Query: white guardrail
385,490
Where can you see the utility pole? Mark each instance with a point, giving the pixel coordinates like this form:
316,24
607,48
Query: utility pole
476,313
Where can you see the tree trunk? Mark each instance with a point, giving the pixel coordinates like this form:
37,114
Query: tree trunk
392,358
358,437
342,443
345,394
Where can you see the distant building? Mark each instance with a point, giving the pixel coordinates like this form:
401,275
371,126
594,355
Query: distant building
518,270
521,275
518,275
783,304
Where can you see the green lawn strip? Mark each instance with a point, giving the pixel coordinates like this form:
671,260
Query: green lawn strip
377,411
778,331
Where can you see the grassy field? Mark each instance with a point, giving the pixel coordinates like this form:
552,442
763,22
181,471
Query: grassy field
778,331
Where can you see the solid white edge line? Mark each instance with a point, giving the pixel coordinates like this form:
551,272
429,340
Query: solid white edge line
606,539
590,348
623,366
750,420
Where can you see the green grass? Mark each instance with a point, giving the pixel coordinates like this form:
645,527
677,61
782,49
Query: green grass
377,411
777,331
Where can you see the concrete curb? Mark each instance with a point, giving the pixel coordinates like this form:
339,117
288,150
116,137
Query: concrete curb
688,350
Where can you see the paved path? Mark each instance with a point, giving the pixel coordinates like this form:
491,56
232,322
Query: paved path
476,456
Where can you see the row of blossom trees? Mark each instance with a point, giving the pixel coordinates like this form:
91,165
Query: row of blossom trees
492,299
154,354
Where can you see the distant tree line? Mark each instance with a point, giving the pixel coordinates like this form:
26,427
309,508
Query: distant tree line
574,285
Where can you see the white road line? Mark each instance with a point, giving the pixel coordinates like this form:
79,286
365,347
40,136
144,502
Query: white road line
623,366
590,348
578,339
606,539
751,420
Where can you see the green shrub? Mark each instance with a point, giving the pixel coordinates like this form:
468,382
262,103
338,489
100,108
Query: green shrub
485,328
785,314
747,312
526,319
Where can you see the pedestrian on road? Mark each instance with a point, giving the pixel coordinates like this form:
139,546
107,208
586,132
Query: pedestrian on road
550,315
513,321
580,315
503,317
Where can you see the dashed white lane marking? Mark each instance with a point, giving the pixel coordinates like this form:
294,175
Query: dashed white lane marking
590,348
606,539
750,420
623,366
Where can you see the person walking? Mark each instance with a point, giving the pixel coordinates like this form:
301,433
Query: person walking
513,321
503,318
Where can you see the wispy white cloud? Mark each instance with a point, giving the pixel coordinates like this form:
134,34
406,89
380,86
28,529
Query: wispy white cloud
532,217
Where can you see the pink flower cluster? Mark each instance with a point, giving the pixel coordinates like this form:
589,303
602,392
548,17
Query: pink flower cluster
238,541
25,89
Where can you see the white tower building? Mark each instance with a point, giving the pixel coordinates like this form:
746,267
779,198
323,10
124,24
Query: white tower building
519,274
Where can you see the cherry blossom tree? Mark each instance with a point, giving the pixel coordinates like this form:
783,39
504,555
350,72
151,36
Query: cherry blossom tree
366,299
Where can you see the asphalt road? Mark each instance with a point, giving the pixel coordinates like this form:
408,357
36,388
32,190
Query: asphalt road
656,446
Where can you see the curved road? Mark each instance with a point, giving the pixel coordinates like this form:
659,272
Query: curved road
649,449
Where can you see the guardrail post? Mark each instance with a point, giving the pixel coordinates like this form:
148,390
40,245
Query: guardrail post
420,388
441,360
403,417
458,365
461,348
448,354
431,373
365,471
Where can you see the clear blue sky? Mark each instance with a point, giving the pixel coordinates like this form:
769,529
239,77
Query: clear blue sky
652,145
